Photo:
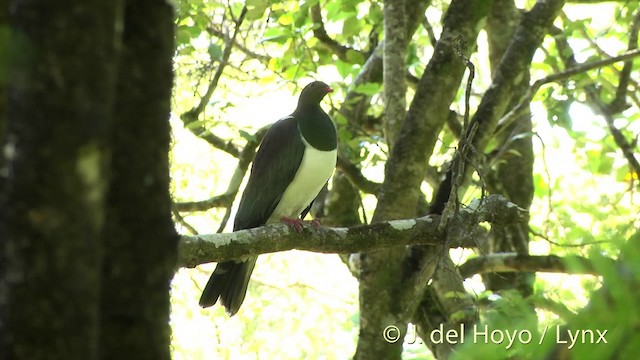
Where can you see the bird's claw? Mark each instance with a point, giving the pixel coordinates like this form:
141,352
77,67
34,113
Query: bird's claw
295,224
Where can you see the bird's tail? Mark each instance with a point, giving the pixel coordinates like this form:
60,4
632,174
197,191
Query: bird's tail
228,282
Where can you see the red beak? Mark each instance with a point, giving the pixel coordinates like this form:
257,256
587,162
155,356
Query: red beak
328,89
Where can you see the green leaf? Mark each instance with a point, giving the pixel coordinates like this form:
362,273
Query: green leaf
558,114
215,51
350,27
340,119
344,134
286,19
368,88
344,69
302,18
195,124
185,33
606,164
256,8
354,57
257,3
186,49
276,34
255,13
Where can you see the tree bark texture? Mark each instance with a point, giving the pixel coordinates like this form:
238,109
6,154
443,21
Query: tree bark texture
513,177
84,166
137,270
394,68
60,96
404,173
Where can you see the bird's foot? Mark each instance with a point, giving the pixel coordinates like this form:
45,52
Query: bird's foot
316,223
297,224
293,223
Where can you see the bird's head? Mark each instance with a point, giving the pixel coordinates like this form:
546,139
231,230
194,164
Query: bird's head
313,93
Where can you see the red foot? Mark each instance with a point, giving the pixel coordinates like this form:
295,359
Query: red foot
295,224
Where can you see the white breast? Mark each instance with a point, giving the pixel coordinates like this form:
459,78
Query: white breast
314,171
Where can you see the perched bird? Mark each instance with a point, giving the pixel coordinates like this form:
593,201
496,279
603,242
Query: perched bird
295,160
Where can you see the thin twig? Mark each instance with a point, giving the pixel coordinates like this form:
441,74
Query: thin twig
465,145
225,219
430,32
321,34
192,115
523,105
263,58
180,220
626,147
619,103
226,199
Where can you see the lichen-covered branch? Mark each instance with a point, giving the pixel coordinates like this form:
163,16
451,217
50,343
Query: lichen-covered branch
198,249
355,104
404,172
394,69
534,26
428,112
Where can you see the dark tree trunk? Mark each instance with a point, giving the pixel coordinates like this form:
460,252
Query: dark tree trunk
87,246
140,242
59,101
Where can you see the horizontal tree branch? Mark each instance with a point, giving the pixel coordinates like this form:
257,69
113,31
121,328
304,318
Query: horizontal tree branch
199,249
195,250
513,262
217,142
216,201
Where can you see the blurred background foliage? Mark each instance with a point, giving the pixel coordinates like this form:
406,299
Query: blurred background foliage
239,71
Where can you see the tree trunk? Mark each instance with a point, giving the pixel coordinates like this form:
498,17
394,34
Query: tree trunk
388,292
60,95
87,246
140,241
514,175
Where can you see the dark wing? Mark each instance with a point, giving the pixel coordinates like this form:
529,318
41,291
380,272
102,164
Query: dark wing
308,208
273,169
